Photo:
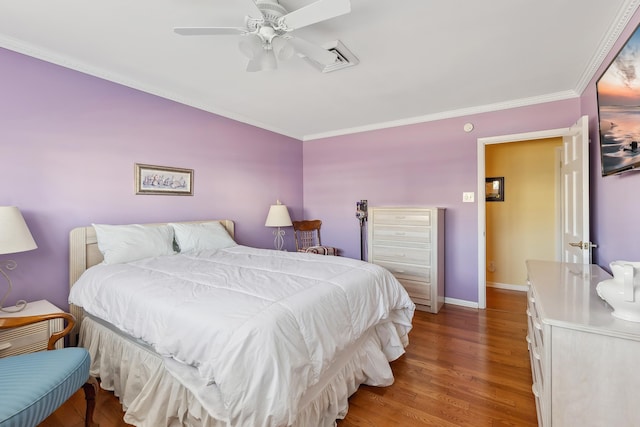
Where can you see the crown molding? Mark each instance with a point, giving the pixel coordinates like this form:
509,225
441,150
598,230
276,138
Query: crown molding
620,22
524,102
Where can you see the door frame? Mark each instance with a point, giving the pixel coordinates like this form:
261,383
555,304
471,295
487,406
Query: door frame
482,213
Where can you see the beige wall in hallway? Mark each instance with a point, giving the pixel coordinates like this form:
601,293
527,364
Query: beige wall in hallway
523,226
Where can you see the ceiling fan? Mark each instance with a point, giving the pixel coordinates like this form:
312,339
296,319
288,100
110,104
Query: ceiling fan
267,32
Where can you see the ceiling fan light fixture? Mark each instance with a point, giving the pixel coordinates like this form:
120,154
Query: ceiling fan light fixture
268,60
266,37
265,61
282,48
251,46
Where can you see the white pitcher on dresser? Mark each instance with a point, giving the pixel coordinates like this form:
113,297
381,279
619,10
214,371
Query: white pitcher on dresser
623,291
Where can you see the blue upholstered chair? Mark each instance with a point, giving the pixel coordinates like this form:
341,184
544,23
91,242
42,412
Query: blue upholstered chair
307,236
34,385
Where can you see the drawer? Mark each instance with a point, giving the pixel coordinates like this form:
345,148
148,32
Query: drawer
407,272
539,410
25,339
420,292
534,329
534,320
402,217
535,337
401,254
406,236
537,368
535,357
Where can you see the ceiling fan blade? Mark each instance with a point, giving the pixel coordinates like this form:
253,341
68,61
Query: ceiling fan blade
315,12
254,12
312,51
209,31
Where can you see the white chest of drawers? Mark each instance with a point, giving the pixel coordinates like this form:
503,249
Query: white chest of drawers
409,242
585,363
30,338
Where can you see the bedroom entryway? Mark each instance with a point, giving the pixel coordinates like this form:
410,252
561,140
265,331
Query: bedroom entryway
572,230
525,223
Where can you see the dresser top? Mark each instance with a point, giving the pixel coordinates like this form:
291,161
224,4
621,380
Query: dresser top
566,296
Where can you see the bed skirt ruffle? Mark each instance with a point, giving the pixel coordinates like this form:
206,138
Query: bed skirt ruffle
152,397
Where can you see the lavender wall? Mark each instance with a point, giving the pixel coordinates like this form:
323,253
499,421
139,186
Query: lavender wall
69,143
615,205
428,164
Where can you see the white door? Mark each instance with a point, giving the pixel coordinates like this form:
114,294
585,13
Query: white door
576,246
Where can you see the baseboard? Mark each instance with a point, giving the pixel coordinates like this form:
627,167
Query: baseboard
461,302
473,304
520,288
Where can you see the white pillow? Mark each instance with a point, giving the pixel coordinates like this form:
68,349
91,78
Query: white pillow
202,236
125,243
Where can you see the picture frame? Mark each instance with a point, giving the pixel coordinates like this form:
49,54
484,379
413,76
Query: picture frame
494,189
618,102
163,180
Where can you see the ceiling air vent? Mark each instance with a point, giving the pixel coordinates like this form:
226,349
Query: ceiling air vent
345,58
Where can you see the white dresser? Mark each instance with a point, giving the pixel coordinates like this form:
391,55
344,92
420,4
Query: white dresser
409,242
585,363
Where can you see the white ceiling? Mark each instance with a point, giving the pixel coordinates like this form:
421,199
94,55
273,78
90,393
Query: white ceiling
420,60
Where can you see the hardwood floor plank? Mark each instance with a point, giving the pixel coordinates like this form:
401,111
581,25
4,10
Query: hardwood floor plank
463,367
467,367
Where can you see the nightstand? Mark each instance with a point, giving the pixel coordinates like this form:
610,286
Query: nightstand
31,338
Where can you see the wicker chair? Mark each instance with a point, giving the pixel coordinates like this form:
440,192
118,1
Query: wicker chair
34,385
307,236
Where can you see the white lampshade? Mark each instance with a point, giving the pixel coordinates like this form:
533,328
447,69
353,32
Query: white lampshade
278,216
14,233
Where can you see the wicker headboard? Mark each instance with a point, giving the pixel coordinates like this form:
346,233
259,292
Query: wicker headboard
84,253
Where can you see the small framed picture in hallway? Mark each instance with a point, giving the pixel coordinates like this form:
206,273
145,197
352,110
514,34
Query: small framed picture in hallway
494,189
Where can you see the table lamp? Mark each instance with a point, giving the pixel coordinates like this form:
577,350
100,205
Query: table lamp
278,217
14,237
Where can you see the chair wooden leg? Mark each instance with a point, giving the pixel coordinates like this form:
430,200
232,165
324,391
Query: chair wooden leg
90,390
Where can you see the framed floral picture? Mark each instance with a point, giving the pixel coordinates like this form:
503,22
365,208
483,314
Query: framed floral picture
150,179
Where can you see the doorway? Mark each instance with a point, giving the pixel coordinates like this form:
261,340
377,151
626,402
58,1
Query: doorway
574,187
522,223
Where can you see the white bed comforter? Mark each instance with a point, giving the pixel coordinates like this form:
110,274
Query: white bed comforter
263,325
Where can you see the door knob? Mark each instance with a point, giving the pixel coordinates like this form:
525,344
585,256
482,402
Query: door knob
583,245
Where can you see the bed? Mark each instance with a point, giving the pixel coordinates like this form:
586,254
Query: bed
222,334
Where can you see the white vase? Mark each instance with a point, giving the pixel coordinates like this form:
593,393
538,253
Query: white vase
623,291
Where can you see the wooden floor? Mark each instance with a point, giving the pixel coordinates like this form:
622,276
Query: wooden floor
463,367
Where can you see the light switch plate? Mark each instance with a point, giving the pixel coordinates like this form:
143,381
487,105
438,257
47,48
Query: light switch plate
468,197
